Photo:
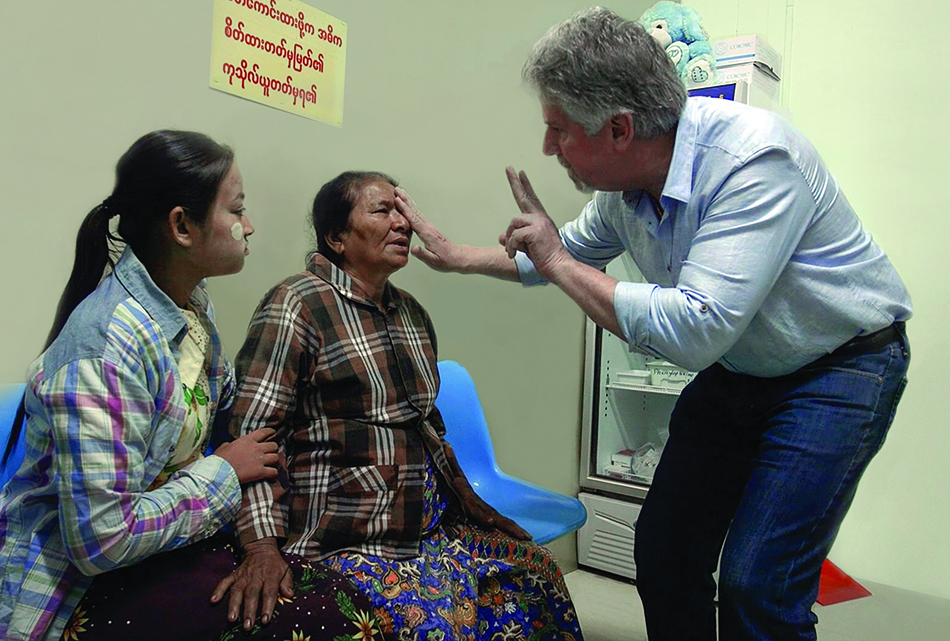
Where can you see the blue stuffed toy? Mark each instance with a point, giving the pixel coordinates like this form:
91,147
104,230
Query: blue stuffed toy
680,32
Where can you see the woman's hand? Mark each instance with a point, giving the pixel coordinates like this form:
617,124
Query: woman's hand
260,577
480,512
252,456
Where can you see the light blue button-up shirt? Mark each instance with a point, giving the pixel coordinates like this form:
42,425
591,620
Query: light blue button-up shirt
757,261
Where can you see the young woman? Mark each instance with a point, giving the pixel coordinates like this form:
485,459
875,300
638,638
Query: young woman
119,413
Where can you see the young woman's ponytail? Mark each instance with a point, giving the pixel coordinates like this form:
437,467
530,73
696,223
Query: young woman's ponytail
96,248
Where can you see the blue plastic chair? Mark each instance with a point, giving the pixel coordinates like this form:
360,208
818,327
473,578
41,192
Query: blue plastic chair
546,515
10,397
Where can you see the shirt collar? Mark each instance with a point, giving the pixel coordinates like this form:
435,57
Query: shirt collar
679,177
322,268
136,280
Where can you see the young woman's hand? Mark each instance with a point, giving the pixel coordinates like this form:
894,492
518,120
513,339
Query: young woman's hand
252,456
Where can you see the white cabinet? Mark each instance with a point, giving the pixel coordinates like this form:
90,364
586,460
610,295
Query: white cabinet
625,426
626,419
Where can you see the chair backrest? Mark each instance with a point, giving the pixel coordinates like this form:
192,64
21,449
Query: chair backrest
465,425
542,512
10,397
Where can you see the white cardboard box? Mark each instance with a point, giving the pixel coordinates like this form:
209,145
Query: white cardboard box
622,458
742,91
663,374
752,49
759,81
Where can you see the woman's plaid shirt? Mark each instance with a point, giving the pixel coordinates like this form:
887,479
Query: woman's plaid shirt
351,390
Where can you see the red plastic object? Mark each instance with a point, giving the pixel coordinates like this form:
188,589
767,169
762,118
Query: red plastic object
835,586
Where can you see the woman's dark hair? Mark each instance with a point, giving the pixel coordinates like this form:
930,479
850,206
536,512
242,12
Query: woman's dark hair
334,202
160,171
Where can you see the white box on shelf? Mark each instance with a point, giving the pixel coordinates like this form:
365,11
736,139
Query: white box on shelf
633,377
665,374
622,458
758,80
764,90
750,49
742,91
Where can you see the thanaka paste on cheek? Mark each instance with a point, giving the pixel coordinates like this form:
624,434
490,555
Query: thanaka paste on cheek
237,231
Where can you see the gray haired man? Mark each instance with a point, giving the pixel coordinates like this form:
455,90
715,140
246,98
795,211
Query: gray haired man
760,277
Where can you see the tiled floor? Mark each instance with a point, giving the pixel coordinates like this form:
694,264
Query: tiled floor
609,610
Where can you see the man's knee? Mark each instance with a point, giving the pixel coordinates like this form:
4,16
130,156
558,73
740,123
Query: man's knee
742,586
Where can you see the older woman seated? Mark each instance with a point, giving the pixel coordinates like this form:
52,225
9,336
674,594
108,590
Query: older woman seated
343,365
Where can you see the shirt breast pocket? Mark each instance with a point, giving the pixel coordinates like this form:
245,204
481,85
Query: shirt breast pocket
363,479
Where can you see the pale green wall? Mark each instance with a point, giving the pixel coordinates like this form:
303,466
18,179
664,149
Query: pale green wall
433,96
869,93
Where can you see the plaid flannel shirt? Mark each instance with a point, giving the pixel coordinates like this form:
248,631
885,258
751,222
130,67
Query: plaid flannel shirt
351,390
105,408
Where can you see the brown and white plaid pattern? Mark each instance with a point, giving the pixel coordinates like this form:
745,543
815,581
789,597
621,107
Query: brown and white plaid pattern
351,390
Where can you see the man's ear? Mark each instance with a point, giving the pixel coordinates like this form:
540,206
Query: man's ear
181,228
621,130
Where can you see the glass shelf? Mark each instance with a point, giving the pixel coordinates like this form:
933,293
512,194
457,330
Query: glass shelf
626,478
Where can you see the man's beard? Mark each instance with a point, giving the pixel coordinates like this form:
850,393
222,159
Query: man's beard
581,186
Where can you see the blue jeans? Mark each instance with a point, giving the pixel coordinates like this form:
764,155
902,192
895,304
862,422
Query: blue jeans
762,470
